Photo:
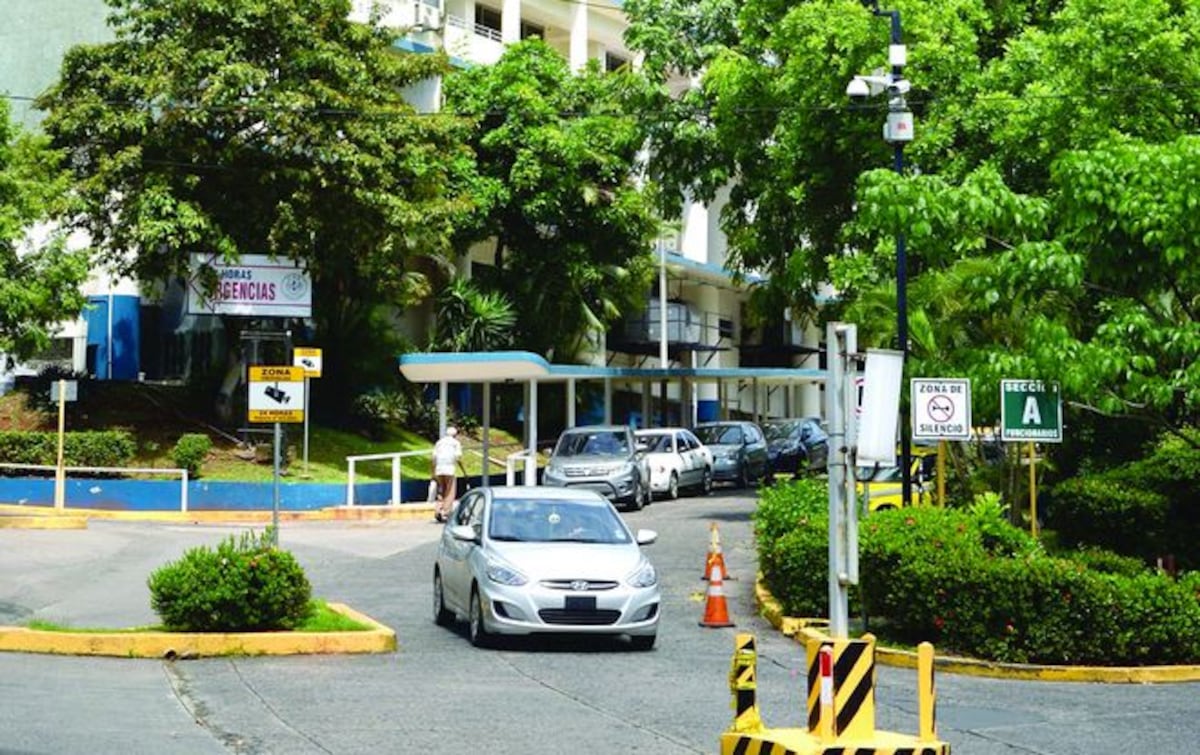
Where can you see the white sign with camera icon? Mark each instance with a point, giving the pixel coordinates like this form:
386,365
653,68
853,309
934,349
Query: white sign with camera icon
276,394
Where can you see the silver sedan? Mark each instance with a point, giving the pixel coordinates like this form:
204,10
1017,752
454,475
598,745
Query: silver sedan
529,560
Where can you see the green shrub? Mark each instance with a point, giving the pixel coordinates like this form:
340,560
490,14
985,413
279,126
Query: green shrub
107,448
1104,561
1108,511
190,450
974,584
245,584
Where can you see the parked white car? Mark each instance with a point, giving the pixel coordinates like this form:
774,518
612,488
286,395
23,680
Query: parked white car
677,459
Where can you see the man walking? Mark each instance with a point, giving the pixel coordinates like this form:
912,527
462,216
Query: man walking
447,455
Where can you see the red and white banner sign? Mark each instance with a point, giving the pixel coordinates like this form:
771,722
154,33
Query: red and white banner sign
255,286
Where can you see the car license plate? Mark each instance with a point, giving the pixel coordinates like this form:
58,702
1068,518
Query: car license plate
580,603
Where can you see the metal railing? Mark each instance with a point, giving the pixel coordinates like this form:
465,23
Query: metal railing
351,461
183,474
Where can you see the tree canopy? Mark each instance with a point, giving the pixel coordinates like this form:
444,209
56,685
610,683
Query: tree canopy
39,282
558,158
262,127
1049,207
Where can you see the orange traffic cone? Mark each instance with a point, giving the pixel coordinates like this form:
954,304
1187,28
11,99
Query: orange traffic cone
716,613
715,559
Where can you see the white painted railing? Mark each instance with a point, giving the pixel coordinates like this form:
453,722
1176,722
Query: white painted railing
510,467
183,474
351,461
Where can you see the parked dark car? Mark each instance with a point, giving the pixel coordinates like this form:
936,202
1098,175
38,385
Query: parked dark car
796,446
739,450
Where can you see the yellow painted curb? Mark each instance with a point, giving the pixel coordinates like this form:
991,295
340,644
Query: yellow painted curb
172,645
334,513
803,629
42,522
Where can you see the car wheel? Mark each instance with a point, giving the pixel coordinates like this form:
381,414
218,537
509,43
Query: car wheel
480,636
673,487
441,616
706,481
643,641
639,497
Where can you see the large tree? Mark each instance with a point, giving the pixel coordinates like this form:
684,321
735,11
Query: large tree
1049,206
39,277
571,226
263,126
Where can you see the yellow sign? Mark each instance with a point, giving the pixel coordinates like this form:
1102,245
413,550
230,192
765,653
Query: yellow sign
276,394
309,359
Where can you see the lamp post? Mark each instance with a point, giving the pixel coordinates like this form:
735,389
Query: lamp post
897,131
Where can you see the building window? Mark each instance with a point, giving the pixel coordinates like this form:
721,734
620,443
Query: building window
532,30
614,62
487,21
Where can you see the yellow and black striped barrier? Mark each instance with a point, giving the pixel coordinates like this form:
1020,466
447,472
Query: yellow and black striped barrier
743,683
840,716
853,687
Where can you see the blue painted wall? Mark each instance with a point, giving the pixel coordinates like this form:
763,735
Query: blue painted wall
163,495
126,337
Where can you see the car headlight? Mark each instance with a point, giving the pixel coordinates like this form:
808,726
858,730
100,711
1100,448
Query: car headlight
645,576
503,574
727,455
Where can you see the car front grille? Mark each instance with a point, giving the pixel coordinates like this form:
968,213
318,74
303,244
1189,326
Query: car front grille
578,618
595,471
577,585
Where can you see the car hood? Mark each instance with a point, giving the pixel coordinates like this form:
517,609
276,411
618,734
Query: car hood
589,460
539,561
715,447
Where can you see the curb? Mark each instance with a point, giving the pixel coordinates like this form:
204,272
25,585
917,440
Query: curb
42,521
799,629
37,517
186,645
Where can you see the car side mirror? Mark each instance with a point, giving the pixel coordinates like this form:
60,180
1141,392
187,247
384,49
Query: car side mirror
645,537
464,532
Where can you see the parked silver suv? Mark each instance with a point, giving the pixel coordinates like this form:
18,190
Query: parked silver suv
603,458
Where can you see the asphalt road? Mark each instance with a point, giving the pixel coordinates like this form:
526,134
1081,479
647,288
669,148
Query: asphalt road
437,693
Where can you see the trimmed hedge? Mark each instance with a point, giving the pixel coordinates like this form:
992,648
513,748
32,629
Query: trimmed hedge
244,585
190,450
108,448
978,586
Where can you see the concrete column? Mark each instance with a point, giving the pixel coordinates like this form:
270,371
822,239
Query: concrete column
571,402
487,435
608,401
579,36
510,22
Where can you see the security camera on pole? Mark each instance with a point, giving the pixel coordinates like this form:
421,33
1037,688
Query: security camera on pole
897,131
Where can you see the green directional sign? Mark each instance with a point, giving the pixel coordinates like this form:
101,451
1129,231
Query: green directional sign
1030,410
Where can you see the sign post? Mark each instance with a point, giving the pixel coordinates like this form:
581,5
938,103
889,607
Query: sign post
61,391
1031,411
309,360
272,391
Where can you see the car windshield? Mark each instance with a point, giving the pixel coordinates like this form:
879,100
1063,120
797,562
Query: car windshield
600,442
715,435
656,442
877,474
537,521
780,430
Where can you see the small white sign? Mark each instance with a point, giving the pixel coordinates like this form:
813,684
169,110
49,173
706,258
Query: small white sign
254,286
70,390
941,409
276,394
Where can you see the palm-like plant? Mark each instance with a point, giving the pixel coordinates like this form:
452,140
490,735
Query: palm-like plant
469,319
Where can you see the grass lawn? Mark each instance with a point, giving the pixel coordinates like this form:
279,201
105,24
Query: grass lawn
158,415
321,618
